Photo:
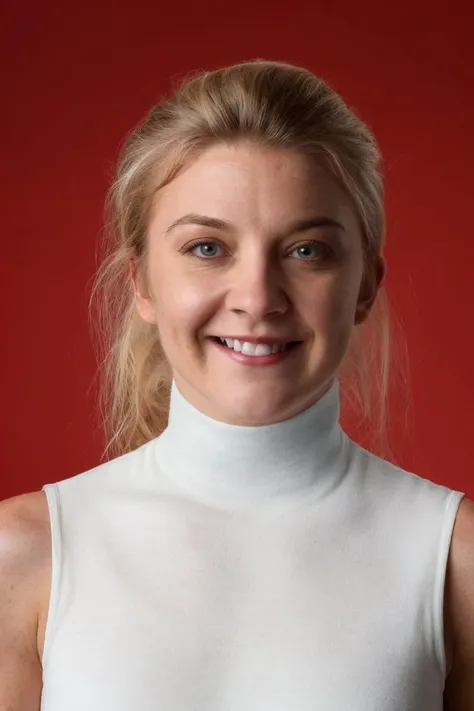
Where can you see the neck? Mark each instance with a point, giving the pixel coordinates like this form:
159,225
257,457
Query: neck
237,465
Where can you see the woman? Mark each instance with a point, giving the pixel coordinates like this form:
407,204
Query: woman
244,554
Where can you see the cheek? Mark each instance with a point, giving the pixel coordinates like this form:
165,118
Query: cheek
330,314
332,304
183,306
343,304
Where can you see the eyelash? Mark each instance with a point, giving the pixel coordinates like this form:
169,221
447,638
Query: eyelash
199,242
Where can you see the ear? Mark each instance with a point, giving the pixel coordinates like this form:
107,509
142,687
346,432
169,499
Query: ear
373,279
143,302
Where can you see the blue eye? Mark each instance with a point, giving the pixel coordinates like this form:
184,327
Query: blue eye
208,254
303,250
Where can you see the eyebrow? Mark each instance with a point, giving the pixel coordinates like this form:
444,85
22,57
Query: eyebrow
193,218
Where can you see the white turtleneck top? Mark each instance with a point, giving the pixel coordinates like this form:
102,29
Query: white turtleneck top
229,568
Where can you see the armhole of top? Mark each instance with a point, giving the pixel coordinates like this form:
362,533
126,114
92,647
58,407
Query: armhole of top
52,497
450,513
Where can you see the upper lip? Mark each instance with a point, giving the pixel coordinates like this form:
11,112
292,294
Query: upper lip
270,340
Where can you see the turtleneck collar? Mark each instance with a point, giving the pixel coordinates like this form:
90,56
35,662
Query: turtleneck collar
236,465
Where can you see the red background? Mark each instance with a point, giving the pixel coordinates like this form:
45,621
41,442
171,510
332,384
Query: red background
80,75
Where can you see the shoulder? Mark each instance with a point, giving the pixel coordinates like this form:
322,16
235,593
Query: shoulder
24,529
25,561
462,547
460,609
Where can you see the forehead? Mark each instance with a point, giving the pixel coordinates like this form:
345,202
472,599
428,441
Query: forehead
253,185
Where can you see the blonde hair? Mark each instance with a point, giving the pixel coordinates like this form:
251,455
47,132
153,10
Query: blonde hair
271,104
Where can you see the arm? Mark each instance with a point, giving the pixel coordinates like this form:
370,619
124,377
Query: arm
459,691
24,570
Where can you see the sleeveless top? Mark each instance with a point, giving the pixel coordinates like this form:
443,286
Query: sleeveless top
230,568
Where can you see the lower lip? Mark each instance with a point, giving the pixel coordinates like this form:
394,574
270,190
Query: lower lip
271,359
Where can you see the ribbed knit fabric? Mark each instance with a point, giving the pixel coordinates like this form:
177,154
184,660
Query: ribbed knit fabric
228,568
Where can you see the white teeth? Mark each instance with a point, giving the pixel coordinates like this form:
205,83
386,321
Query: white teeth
263,349
252,349
249,348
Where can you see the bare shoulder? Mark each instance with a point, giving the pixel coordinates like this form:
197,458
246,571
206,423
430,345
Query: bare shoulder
25,548
25,563
459,692
22,512
25,538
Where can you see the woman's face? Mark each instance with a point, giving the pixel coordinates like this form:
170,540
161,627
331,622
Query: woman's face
280,258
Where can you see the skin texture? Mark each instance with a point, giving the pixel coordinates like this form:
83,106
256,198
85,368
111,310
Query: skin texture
256,282
459,608
25,573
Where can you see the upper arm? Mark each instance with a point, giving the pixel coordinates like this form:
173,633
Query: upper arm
24,563
459,691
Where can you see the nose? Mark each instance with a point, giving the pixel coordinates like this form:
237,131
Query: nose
257,290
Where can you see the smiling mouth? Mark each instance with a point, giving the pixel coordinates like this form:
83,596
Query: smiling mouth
253,349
